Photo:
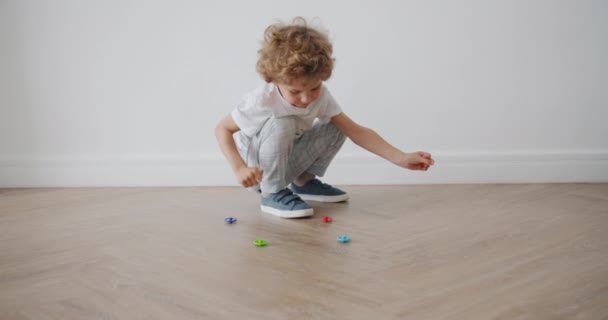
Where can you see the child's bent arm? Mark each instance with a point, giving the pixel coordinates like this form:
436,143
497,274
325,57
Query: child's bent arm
223,132
371,141
246,176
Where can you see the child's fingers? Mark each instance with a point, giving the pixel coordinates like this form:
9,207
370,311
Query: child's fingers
259,173
251,181
430,161
425,161
246,183
425,154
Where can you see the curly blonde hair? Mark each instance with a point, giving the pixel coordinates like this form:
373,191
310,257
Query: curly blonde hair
295,51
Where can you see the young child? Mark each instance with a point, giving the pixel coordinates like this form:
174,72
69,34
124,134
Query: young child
284,134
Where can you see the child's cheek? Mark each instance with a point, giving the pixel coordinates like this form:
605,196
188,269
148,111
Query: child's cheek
296,99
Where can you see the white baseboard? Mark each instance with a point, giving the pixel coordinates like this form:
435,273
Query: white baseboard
212,170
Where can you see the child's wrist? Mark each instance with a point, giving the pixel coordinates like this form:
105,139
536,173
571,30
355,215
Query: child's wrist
399,157
238,167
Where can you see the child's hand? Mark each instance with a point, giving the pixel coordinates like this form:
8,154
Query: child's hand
249,176
418,160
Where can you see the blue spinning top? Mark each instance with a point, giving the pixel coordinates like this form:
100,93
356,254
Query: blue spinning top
343,239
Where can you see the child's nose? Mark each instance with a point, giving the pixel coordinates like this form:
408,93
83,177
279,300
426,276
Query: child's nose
305,98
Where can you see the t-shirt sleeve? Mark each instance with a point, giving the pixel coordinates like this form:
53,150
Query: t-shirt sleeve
250,116
331,108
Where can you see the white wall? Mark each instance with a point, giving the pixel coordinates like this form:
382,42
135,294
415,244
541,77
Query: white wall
128,92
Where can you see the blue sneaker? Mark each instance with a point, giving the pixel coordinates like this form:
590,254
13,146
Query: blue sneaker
285,204
316,190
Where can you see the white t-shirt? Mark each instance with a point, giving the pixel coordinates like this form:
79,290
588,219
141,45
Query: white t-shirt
266,101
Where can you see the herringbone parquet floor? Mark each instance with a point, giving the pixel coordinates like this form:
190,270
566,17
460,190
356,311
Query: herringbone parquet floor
536,251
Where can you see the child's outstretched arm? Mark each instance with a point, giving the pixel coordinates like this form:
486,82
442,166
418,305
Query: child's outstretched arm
246,176
374,143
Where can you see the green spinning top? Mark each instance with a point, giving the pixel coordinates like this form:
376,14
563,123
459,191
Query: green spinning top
260,242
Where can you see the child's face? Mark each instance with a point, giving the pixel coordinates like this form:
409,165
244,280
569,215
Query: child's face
300,92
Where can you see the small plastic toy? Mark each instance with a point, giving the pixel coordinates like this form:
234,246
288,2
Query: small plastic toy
230,220
326,219
343,239
260,242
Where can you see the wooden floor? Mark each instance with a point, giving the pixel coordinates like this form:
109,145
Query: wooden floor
436,252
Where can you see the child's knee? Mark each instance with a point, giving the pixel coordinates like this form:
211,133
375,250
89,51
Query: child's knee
279,129
278,136
285,126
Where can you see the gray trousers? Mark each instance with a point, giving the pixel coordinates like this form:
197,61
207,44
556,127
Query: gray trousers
283,156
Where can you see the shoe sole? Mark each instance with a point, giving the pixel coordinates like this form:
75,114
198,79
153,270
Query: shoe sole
288,214
312,197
